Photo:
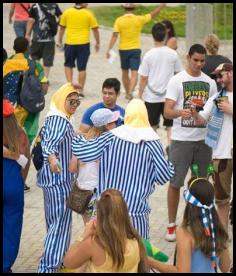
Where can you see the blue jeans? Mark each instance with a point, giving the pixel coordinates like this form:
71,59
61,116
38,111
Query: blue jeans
20,28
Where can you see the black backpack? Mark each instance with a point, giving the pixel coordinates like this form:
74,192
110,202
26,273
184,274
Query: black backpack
52,22
31,94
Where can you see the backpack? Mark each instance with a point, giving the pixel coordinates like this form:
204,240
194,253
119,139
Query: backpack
52,22
31,94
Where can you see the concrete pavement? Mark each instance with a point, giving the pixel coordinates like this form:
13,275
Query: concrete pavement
98,70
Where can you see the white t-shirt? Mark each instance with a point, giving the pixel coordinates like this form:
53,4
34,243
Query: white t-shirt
223,150
185,89
88,175
159,64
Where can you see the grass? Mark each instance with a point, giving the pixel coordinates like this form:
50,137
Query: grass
107,15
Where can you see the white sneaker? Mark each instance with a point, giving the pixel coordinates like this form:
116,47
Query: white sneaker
171,232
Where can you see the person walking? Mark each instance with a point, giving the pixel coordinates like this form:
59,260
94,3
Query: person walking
43,40
187,139
16,144
218,113
77,43
157,67
202,242
109,243
131,160
213,59
54,177
110,93
20,13
129,27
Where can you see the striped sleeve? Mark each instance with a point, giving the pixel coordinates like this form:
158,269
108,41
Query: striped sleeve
163,169
54,132
91,150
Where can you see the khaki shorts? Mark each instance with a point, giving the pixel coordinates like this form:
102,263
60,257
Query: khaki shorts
222,180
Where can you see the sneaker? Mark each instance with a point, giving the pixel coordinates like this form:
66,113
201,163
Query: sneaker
26,188
171,232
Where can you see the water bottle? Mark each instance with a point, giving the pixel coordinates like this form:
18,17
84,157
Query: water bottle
194,169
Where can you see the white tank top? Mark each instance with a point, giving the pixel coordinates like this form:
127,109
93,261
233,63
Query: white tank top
88,175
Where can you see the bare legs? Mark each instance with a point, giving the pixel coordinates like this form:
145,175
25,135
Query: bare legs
173,202
81,76
129,82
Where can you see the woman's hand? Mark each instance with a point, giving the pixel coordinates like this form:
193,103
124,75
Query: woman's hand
90,229
54,164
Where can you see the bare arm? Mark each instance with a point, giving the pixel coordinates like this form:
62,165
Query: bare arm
74,164
157,10
97,38
171,113
60,35
9,154
172,43
224,263
142,84
112,43
11,12
29,28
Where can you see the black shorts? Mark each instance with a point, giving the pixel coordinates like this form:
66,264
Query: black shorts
78,53
44,50
154,112
130,59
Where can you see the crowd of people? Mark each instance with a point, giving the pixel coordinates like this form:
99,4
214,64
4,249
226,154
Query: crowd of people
116,153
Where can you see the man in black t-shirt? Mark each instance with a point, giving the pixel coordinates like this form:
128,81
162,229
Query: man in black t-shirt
43,43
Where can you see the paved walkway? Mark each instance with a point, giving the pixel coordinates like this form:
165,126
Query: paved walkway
99,69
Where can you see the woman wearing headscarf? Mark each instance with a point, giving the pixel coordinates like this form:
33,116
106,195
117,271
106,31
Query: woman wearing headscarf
54,177
131,160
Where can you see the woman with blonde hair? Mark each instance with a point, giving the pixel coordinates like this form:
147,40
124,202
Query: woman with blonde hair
213,59
15,147
103,120
109,243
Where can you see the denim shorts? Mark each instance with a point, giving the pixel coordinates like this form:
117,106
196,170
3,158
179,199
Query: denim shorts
78,53
20,28
130,59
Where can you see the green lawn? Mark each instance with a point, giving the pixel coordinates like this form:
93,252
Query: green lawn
107,15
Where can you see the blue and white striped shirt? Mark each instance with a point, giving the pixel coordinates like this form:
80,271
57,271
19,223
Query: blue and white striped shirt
57,133
131,168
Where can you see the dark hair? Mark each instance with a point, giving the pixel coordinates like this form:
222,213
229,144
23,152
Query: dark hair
5,56
159,32
169,25
20,45
197,48
203,190
112,83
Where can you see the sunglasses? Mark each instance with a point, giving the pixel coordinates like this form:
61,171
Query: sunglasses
74,102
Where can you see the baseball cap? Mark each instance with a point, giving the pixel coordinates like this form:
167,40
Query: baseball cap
103,116
222,67
8,108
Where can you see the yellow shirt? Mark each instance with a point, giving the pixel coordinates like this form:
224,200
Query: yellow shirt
132,258
78,23
129,27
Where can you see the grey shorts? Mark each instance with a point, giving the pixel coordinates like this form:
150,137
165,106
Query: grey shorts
183,154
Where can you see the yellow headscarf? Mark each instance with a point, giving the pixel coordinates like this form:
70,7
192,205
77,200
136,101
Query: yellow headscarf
136,114
59,97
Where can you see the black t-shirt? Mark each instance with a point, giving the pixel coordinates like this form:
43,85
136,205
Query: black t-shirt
212,62
41,30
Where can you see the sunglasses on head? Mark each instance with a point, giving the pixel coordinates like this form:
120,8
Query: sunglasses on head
74,102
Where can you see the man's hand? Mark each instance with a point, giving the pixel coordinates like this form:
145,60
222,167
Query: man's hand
97,47
226,107
185,113
53,163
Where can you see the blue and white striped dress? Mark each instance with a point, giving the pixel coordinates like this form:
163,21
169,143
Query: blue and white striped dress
57,134
131,168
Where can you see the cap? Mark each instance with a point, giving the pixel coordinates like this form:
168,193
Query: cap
8,108
103,116
222,67
128,5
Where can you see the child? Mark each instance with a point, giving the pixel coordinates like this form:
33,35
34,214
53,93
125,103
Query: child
103,120
201,239
109,243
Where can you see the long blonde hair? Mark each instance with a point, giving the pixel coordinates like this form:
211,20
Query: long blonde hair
114,228
11,133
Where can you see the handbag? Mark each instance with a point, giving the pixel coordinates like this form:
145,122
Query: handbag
37,153
78,199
